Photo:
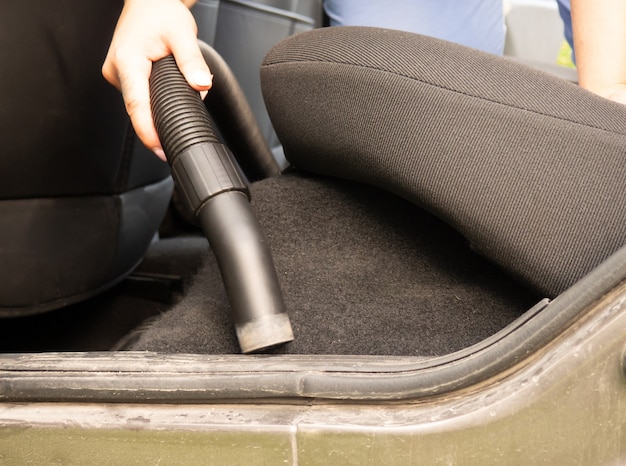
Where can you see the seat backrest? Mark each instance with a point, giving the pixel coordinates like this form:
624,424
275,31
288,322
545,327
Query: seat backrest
528,167
79,200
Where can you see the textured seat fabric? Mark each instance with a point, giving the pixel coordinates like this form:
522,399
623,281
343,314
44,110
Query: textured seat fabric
79,202
528,167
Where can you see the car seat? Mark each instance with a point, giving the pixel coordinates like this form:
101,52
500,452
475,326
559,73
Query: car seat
528,167
80,200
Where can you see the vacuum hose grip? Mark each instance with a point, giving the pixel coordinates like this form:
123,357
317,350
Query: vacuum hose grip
211,183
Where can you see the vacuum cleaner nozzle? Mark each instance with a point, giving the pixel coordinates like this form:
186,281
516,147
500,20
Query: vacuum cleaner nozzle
211,183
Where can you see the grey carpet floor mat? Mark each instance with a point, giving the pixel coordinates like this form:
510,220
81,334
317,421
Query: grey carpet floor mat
362,271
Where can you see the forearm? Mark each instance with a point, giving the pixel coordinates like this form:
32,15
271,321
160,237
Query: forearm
600,42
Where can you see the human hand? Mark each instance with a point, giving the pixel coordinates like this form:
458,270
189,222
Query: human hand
148,30
600,45
616,93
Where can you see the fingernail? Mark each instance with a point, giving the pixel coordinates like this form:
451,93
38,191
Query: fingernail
159,153
201,78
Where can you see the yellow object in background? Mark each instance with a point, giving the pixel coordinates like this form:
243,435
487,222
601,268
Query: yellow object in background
564,58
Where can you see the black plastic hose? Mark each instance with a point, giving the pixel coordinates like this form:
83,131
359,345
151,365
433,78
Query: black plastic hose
235,120
210,182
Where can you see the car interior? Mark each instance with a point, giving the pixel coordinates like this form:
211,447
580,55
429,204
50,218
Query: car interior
412,214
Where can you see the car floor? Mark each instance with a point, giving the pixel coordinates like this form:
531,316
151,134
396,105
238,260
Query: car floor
363,272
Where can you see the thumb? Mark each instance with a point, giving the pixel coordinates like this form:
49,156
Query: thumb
194,68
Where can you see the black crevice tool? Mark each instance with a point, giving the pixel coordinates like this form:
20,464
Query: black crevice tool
211,183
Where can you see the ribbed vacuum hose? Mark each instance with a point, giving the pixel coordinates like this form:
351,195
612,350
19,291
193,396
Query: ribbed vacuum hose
211,184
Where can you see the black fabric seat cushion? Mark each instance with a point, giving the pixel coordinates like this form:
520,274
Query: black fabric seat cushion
528,167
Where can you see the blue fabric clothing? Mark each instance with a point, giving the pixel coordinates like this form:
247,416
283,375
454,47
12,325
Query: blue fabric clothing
566,16
474,23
